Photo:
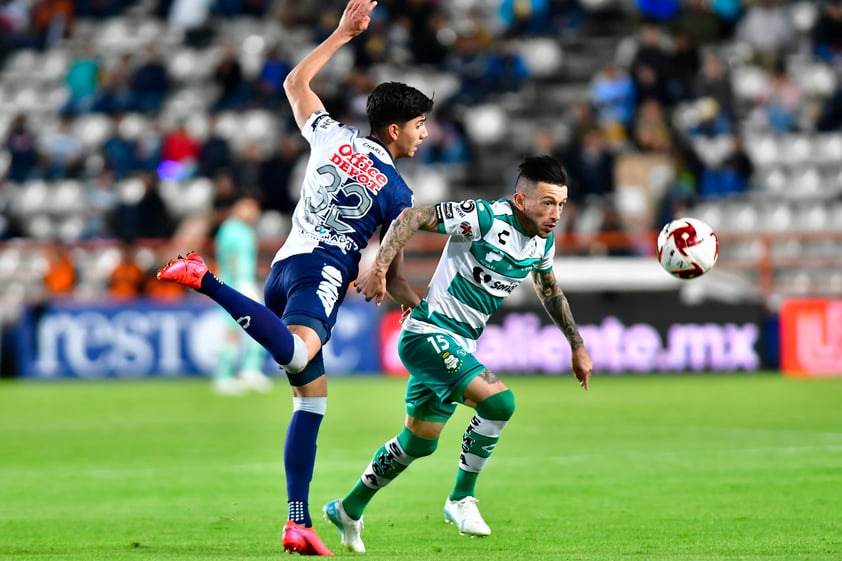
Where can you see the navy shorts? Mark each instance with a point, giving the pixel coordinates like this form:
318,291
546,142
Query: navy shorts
307,289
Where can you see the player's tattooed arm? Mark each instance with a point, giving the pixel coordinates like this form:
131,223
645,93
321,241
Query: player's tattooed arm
409,221
557,306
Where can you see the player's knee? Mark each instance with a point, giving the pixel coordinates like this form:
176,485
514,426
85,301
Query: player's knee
300,356
498,407
417,446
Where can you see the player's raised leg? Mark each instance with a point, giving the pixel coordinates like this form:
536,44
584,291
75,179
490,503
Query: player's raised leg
261,323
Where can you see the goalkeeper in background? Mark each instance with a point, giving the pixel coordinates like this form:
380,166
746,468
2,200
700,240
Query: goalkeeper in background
240,363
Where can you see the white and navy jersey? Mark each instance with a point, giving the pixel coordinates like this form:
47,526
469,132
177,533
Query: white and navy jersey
487,256
351,188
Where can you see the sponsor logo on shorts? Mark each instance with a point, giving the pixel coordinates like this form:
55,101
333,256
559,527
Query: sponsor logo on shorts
452,362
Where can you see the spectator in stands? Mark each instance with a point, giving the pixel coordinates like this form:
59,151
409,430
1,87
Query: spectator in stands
731,177
148,146
191,16
60,274
180,146
590,166
15,30
82,81
215,152
767,29
714,82
613,95
127,278
148,218
506,70
150,82
650,67
652,132
226,192
52,21
782,101
118,151
469,61
269,87
23,154
426,24
247,171
101,198
658,10
228,77
827,32
276,174
684,66
447,143
115,90
62,151
526,17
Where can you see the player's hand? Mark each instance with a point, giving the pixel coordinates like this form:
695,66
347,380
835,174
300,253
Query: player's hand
372,284
582,365
356,17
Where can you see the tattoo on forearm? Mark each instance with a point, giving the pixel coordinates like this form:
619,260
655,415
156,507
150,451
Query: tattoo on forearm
488,376
558,308
408,222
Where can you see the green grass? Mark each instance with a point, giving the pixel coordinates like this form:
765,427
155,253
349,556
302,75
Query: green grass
645,468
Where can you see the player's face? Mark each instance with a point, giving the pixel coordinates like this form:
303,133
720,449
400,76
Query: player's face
541,208
410,137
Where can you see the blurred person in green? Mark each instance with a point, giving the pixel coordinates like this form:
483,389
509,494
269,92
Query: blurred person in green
236,256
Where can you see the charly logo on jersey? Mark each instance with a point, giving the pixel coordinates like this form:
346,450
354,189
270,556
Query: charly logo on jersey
359,167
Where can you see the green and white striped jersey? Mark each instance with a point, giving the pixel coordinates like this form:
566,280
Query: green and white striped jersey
487,256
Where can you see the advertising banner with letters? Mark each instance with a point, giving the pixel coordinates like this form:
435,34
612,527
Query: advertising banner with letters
811,337
633,333
152,338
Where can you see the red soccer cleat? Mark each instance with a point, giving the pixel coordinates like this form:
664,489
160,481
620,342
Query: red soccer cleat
187,271
304,541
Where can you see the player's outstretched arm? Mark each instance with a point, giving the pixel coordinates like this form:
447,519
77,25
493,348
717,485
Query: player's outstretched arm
302,98
372,282
397,284
558,308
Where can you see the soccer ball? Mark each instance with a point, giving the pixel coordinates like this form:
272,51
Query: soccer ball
687,248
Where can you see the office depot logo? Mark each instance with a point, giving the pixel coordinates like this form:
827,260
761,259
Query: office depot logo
811,337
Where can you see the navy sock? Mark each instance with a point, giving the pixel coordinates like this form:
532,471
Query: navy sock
299,460
260,322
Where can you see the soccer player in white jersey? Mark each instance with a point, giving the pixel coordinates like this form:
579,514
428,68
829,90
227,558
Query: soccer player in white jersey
493,246
351,190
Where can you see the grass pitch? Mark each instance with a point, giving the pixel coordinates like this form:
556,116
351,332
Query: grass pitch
642,468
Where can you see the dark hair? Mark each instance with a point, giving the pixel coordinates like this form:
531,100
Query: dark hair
394,102
542,169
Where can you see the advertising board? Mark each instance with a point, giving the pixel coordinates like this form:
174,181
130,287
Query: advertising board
624,332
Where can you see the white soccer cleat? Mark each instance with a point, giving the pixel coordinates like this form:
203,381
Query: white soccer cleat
256,380
465,515
348,527
228,386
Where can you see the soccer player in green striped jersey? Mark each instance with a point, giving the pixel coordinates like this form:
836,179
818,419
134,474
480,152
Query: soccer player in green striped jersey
493,247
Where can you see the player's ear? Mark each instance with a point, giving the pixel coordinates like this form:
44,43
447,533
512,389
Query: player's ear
520,200
393,131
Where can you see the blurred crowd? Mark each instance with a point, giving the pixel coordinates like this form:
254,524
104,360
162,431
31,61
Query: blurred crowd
669,81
